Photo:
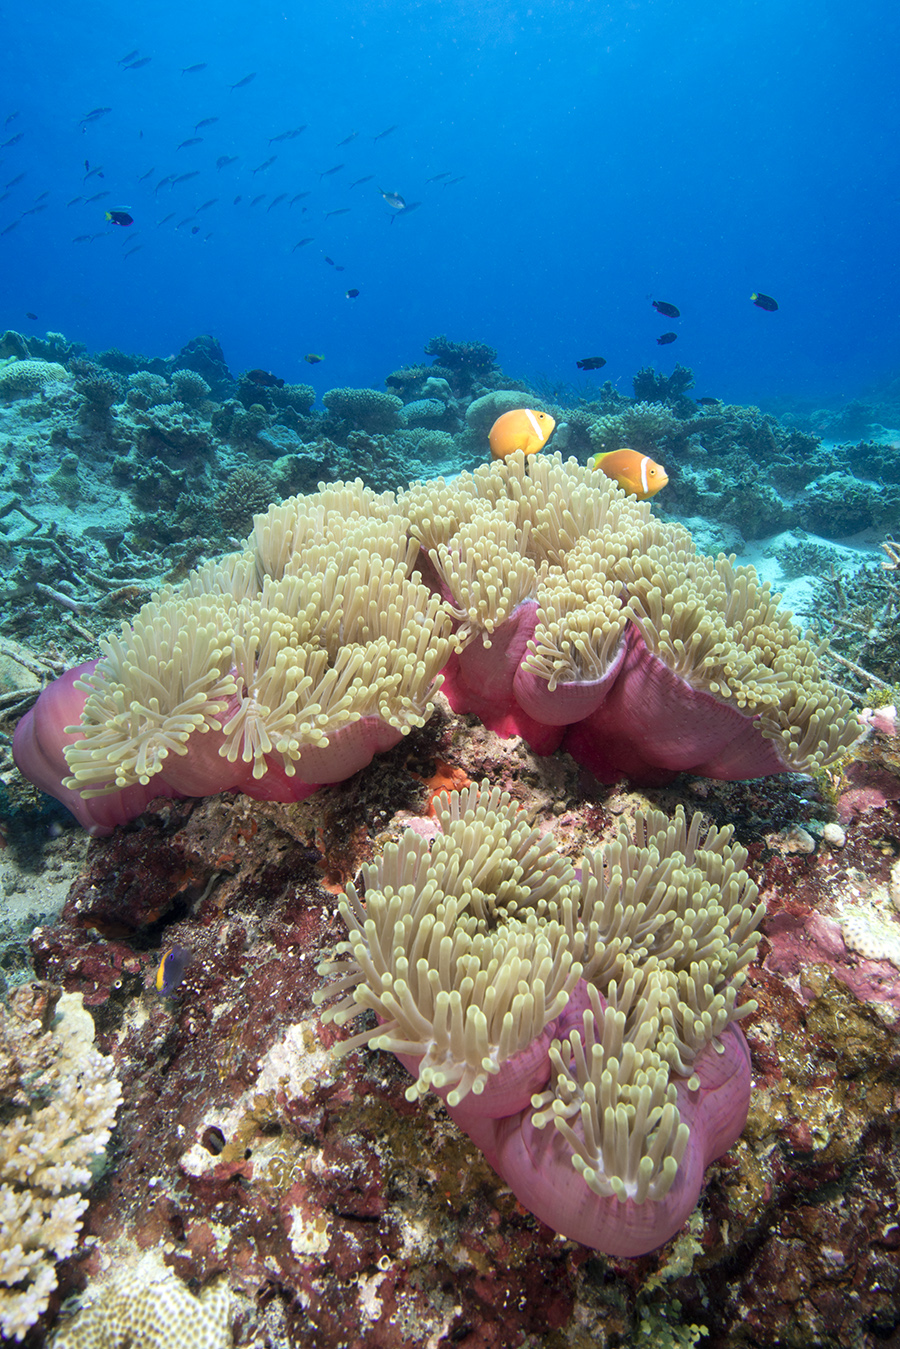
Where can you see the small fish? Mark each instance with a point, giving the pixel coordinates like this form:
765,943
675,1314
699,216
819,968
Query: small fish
119,218
330,261
138,65
257,200
11,118
9,227
312,359
185,177
194,70
163,182
238,198
165,220
326,173
195,229
299,197
635,473
13,140
438,176
207,121
265,379
98,196
186,221
666,339
393,199
193,140
347,139
29,315
82,239
224,160
287,135
13,182
382,134
123,60
342,210
368,178
591,363
92,172
242,84
764,301
709,402
144,176
171,970
300,244
669,310
351,294
96,112
266,164
521,429
275,200
206,205
451,181
137,249
74,201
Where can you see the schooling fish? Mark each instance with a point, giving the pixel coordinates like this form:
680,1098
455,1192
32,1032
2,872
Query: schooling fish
29,315
312,359
224,160
326,173
275,200
342,210
265,379
666,339
521,429
207,121
298,197
301,243
119,218
194,70
171,970
663,307
138,65
144,176
368,178
123,60
185,177
382,134
591,363
764,301
266,164
242,84
635,473
438,176
13,140
193,140
347,139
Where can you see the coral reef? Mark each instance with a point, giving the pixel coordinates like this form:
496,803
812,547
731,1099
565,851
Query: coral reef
364,409
21,378
60,1098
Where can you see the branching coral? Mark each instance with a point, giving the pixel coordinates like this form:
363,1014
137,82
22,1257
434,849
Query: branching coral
580,1025
60,1100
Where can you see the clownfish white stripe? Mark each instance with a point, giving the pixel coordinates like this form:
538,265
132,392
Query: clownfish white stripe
645,485
535,425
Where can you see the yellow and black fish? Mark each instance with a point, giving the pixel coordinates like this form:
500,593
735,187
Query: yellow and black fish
312,359
591,363
172,969
764,301
120,218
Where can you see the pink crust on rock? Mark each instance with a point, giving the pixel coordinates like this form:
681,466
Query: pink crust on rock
38,751
537,1163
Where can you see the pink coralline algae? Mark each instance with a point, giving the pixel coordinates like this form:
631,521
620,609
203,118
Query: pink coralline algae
550,606
598,1084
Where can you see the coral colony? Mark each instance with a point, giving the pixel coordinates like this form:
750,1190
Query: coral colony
582,1029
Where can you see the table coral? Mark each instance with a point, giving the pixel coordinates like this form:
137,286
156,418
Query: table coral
60,1100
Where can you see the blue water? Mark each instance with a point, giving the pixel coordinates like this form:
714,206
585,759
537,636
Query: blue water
608,154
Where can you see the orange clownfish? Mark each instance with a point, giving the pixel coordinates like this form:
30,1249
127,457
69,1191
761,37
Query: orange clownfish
635,473
522,429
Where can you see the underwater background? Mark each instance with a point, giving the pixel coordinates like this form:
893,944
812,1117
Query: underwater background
593,156
250,251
